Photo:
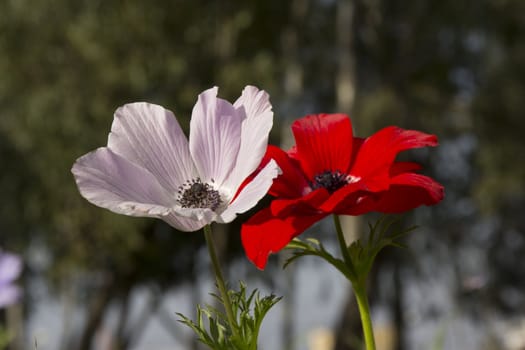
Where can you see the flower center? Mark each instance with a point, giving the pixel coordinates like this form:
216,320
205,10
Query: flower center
196,194
331,180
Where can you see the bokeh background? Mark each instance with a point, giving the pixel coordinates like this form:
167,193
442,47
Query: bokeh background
97,280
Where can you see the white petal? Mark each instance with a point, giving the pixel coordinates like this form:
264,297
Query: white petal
183,223
215,133
150,136
109,181
255,105
252,193
204,215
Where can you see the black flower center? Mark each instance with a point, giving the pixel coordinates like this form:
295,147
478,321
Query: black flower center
196,194
331,180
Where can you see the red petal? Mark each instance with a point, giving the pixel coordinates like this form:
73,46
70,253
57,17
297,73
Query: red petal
341,197
292,182
379,151
264,234
306,205
404,167
357,142
358,203
324,142
409,191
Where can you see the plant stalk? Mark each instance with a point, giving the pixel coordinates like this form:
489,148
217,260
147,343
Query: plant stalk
344,248
364,312
358,282
220,280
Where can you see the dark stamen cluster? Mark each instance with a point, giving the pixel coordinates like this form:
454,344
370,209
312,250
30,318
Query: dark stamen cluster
196,194
331,180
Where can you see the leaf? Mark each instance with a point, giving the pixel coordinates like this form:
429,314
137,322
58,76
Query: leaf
249,311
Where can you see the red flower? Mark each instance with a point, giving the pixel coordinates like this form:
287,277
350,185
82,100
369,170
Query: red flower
330,171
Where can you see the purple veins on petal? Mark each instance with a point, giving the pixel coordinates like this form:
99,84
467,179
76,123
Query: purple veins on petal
150,168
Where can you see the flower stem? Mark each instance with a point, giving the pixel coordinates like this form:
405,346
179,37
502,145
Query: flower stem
358,281
364,312
220,280
344,248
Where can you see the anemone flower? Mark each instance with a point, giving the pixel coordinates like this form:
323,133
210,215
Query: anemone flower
150,169
10,268
329,171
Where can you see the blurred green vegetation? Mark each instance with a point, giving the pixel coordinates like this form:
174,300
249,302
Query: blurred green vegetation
65,68
450,67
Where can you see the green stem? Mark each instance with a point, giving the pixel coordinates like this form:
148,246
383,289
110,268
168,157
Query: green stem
220,280
358,281
364,312
344,248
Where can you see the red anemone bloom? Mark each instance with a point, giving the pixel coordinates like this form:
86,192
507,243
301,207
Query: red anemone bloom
330,171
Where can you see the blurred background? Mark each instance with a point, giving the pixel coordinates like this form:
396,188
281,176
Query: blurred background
97,280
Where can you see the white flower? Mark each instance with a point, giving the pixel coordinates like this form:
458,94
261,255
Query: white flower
150,169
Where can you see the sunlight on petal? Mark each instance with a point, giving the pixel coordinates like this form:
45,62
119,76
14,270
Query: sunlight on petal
109,181
183,223
204,215
215,133
150,136
151,169
252,193
254,105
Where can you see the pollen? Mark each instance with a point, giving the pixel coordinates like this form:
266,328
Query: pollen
331,180
196,194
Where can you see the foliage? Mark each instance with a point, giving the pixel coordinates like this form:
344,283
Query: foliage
66,66
212,327
361,253
5,338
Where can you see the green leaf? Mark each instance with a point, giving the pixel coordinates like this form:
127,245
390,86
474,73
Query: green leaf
249,310
362,252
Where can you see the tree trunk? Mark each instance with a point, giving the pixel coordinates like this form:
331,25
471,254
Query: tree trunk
96,313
